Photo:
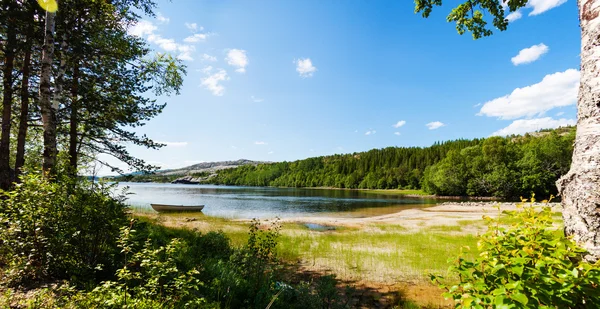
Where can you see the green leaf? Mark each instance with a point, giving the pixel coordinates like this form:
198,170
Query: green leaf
522,298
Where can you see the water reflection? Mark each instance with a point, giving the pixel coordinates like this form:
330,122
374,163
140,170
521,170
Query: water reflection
262,202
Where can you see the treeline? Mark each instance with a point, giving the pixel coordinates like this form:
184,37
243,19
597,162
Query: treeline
496,166
388,168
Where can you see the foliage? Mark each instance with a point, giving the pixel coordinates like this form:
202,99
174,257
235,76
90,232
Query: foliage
59,230
497,166
471,15
503,167
150,278
530,264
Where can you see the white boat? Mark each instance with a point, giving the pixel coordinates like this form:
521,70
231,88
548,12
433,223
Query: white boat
176,208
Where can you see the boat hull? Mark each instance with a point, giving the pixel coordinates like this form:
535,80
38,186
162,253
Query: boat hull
176,208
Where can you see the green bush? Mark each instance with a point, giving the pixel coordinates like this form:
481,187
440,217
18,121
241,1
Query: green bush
59,230
150,278
530,264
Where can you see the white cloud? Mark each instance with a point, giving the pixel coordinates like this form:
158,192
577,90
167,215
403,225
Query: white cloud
555,90
142,28
530,54
213,82
560,114
514,16
399,124
166,44
173,144
260,143
523,126
541,6
185,52
370,132
270,152
233,147
305,67
196,37
161,19
255,99
193,27
397,133
146,29
237,58
435,125
207,57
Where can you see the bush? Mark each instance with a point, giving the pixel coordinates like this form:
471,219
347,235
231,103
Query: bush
530,264
150,278
62,230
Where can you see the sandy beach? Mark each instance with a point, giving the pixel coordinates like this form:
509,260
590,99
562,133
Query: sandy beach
449,213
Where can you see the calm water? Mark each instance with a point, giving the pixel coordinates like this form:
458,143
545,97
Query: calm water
261,202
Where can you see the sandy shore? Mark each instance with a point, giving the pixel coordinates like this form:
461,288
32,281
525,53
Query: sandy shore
449,213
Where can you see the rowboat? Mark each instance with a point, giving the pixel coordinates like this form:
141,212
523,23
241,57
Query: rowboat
175,208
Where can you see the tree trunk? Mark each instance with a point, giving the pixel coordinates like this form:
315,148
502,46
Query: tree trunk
580,188
24,117
7,80
74,122
48,112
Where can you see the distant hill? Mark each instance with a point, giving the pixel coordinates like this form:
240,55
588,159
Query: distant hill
207,167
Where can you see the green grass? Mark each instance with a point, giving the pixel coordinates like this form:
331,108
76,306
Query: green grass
375,255
377,252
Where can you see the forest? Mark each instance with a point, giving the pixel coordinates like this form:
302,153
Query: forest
506,167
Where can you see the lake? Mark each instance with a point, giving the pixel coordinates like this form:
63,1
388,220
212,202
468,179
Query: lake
263,202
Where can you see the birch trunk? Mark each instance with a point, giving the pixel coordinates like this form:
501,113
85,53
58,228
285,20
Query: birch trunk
580,188
7,83
48,112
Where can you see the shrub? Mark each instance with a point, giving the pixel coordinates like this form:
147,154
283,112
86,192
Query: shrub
150,278
530,264
62,230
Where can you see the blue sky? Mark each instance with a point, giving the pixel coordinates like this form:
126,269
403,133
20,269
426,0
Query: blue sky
287,80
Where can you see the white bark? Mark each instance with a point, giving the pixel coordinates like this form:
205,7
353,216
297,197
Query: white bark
580,188
48,114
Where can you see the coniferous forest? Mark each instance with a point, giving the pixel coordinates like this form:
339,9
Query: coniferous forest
496,166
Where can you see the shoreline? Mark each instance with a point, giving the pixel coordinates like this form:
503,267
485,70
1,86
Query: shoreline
398,192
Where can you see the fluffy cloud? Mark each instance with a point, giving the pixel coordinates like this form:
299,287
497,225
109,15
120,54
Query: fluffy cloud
260,143
173,144
530,54
555,90
161,19
370,132
397,133
207,57
196,37
305,67
237,58
213,81
193,27
142,28
399,124
435,125
514,16
541,6
255,99
523,126
146,29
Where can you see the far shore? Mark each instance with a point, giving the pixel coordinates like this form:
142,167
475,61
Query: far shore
411,193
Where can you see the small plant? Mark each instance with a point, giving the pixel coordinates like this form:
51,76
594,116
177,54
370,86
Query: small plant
530,264
149,279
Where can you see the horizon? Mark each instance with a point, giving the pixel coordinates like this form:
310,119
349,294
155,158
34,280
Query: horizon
287,81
